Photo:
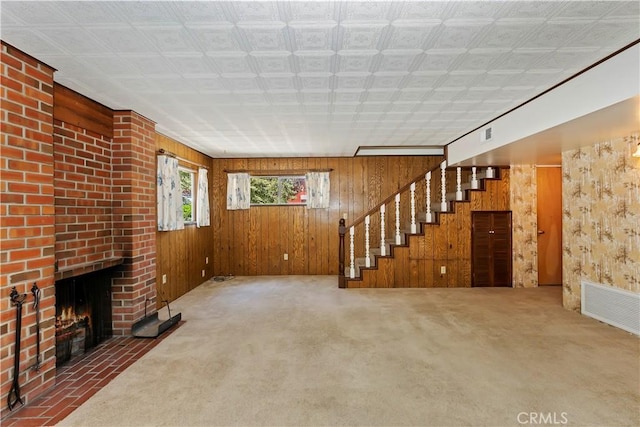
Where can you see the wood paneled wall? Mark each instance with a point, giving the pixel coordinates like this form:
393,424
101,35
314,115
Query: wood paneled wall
181,254
254,241
447,244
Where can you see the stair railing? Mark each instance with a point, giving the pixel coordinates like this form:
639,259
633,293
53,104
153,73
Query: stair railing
403,203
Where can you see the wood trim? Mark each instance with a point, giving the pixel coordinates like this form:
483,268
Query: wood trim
276,172
73,108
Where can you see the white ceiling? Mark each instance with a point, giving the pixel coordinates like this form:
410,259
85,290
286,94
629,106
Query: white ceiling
266,79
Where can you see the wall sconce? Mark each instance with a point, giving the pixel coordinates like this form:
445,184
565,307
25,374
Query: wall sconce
637,152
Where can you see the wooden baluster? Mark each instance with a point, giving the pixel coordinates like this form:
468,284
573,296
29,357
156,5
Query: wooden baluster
383,244
398,238
429,215
490,173
341,232
474,178
458,183
414,228
352,269
443,186
367,257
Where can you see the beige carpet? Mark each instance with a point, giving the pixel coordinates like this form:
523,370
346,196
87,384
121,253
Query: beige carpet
298,351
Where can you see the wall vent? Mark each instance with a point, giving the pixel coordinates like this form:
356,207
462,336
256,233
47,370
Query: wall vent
486,134
614,306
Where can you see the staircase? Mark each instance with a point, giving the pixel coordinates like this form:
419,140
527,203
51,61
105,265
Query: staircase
421,236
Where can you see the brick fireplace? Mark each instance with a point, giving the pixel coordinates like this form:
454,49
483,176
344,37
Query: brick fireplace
78,197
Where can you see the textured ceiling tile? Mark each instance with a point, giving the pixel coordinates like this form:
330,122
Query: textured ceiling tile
278,62
315,98
531,9
191,65
312,11
355,62
231,63
457,35
363,10
393,60
199,11
386,82
347,97
314,63
147,64
423,81
22,39
35,13
235,74
256,11
438,61
351,82
622,29
280,83
316,82
170,39
361,36
380,95
314,37
554,33
241,83
410,35
217,38
480,59
123,39
424,9
288,98
265,38
412,95
146,12
477,9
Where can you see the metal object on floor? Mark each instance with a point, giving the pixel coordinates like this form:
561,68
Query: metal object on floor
151,326
36,306
14,397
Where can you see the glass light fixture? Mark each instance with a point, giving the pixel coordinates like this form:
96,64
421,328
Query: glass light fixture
637,152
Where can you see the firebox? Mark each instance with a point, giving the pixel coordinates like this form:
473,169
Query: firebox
83,313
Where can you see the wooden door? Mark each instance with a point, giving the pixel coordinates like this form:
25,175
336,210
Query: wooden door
549,182
491,248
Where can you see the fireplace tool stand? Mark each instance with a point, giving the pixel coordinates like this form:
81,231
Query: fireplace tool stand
36,306
151,326
14,393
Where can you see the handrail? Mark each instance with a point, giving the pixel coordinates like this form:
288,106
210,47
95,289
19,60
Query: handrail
392,196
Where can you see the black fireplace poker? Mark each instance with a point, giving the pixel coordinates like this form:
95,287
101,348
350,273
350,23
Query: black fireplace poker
14,393
36,306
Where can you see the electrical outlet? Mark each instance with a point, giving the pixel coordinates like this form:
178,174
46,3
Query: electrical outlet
286,257
202,273
206,260
443,269
164,279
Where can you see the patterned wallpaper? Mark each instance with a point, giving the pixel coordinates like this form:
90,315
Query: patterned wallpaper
601,217
523,202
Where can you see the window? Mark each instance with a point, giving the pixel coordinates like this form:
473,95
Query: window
278,190
187,179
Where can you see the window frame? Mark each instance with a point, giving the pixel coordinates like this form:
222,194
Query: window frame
278,196
194,176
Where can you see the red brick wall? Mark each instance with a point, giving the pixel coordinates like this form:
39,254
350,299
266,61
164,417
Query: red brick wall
83,199
27,218
134,205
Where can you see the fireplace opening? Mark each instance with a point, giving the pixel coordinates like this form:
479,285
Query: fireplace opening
83,314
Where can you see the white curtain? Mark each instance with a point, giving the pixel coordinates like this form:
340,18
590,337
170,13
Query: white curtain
238,191
318,190
203,215
169,202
